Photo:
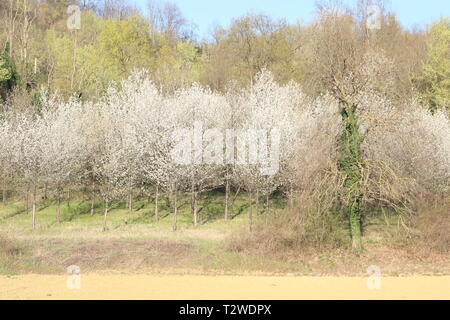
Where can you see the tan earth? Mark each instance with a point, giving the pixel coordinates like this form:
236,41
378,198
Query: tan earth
122,286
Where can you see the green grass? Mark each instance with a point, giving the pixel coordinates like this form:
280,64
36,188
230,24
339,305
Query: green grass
145,245
50,247
76,220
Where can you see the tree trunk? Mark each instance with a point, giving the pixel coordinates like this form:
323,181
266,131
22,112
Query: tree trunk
350,164
267,204
4,194
105,216
25,33
174,226
156,202
197,218
130,201
68,198
141,192
74,66
193,202
92,200
45,191
250,214
4,197
291,198
257,202
27,192
85,192
34,209
355,229
194,208
169,198
227,195
130,204
58,210
11,28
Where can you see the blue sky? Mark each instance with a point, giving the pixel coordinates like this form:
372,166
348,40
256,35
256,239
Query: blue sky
208,13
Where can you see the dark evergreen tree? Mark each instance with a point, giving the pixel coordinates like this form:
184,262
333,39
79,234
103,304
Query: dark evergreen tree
9,77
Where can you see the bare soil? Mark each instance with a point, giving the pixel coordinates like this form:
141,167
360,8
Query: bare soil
125,286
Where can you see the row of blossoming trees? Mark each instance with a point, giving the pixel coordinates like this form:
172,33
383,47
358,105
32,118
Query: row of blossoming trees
125,142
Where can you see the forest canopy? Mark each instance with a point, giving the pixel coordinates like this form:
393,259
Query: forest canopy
40,52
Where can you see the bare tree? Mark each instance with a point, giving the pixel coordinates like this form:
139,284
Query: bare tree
167,19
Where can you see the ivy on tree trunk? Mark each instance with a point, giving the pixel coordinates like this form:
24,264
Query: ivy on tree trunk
350,164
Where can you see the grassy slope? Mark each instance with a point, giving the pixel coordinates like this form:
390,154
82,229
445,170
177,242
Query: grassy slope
144,245
138,244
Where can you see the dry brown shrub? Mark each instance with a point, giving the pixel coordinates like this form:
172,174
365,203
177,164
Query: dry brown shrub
11,254
9,248
430,228
317,220
385,188
314,222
